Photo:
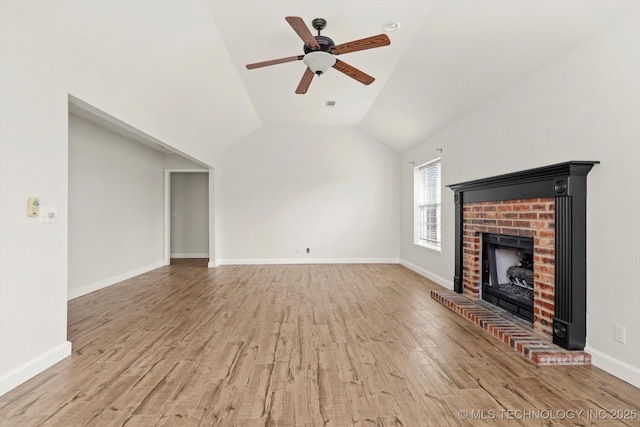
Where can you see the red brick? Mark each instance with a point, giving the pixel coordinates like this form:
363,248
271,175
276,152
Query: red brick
544,251
544,287
504,208
546,296
543,242
509,215
543,260
547,260
545,278
539,224
545,269
545,304
528,215
547,314
540,207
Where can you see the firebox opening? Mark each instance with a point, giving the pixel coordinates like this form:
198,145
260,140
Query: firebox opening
507,273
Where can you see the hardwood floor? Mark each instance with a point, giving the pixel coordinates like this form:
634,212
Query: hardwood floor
298,345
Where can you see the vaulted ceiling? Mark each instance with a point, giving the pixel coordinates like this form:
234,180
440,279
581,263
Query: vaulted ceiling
447,58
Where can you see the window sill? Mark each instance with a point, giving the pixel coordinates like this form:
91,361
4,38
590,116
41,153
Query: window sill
434,249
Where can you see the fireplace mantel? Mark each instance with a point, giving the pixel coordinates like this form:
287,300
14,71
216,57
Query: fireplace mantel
546,181
566,183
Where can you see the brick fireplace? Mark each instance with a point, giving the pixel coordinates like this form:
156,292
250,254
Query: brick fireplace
547,204
523,218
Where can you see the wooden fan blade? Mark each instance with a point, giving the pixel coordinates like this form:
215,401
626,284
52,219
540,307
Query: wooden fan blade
303,31
305,81
274,62
353,72
362,44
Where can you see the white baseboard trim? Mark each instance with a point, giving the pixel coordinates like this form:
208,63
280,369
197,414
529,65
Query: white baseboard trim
213,264
196,255
421,271
30,369
615,367
260,261
87,289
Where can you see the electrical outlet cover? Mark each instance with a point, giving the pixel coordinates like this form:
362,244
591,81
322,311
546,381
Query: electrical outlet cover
48,214
619,333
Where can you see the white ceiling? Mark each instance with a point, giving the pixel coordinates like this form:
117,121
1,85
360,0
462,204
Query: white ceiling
447,58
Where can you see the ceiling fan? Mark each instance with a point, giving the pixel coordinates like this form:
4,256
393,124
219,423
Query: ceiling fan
320,51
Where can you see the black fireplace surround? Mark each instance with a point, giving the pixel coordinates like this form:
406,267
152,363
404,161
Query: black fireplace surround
567,184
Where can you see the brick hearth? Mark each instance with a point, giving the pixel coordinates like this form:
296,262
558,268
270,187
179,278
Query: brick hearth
532,345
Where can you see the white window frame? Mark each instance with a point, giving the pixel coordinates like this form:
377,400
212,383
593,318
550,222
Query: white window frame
427,229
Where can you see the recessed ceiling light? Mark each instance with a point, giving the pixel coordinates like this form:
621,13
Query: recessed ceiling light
390,26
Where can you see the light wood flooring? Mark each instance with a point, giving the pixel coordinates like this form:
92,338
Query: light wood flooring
298,345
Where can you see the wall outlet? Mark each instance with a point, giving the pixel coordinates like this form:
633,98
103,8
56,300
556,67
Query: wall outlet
48,214
308,250
620,333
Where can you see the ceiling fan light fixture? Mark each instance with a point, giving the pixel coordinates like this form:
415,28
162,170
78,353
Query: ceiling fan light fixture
319,61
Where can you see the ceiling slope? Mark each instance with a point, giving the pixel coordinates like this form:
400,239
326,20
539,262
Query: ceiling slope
168,53
470,51
259,32
188,58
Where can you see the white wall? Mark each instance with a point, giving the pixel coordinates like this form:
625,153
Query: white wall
333,190
585,106
116,207
33,162
189,215
37,74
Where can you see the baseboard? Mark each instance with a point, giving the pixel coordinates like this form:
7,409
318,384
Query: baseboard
30,369
615,367
87,289
196,255
434,277
213,264
260,261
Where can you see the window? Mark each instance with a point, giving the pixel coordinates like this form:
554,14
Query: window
427,205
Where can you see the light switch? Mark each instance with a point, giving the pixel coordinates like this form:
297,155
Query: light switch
33,206
48,214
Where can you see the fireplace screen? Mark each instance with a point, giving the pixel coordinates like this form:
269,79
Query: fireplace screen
507,273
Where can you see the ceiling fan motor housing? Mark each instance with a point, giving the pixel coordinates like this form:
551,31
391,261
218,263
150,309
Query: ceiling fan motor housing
325,44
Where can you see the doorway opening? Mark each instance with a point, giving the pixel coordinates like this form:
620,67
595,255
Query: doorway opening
187,214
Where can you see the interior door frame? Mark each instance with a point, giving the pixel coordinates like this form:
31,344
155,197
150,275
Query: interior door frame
167,210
